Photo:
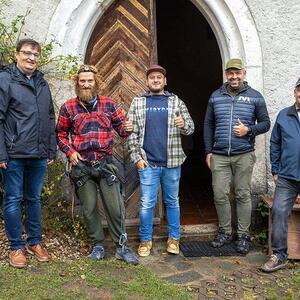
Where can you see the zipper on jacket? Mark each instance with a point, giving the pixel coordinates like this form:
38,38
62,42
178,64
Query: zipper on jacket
35,92
230,124
12,142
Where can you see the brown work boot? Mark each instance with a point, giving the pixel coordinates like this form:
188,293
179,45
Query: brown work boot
173,246
39,252
17,258
144,248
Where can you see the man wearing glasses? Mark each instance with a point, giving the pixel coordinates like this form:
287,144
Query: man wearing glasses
27,146
85,134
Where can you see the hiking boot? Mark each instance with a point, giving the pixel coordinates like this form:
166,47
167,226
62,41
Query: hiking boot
243,244
125,254
144,248
17,258
173,246
39,252
97,253
221,239
273,264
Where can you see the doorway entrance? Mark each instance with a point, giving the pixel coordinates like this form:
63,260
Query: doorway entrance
129,37
232,23
188,49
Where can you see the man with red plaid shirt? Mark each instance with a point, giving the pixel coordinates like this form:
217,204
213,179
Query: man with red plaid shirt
85,134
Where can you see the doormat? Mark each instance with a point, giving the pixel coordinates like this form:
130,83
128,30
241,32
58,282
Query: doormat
203,248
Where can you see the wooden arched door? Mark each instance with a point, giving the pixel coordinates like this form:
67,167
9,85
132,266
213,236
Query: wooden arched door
122,46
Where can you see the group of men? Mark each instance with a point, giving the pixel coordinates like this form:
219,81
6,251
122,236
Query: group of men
236,113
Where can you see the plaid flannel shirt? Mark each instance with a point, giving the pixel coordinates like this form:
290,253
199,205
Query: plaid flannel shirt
137,113
89,133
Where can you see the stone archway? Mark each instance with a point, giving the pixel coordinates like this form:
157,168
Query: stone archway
72,25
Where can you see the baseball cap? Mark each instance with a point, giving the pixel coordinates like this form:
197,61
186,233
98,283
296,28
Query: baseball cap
234,63
297,83
156,68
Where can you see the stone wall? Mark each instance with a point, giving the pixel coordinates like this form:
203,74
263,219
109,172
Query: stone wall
279,33
41,12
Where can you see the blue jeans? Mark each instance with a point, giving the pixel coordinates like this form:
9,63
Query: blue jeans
286,193
23,180
151,178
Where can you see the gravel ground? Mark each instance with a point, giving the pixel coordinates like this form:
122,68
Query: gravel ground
59,245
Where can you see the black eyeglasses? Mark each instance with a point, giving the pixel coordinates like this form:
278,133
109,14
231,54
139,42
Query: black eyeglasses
87,68
29,54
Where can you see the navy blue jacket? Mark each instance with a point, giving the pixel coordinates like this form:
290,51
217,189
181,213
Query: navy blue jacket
285,144
222,113
27,119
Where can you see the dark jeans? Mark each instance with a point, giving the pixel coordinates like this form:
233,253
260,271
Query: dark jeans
23,180
286,193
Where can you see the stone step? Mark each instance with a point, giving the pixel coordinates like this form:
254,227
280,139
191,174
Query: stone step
188,232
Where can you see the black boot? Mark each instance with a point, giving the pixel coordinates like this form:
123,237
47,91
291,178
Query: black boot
221,239
243,244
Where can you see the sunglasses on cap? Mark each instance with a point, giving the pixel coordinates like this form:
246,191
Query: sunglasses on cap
87,68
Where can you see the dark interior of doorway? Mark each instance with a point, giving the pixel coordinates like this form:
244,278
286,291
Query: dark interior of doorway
187,48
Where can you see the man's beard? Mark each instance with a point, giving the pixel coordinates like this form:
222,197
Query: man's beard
86,94
239,85
156,90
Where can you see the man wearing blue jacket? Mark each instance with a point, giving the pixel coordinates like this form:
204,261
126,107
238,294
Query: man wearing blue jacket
27,145
236,113
285,163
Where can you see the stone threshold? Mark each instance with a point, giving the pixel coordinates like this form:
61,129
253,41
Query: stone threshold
188,232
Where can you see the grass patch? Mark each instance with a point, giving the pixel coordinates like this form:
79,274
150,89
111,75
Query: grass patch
285,288
85,279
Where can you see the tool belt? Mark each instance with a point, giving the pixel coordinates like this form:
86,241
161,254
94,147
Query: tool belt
94,170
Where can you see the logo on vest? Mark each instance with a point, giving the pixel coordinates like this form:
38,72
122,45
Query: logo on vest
244,99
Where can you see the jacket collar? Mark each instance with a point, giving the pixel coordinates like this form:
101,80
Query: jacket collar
166,93
19,76
292,111
223,88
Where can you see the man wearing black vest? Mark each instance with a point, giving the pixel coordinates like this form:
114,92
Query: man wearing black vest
236,113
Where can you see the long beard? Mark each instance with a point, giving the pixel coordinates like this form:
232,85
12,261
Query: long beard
86,94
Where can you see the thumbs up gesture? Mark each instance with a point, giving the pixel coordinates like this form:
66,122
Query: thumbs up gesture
179,121
240,129
128,126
